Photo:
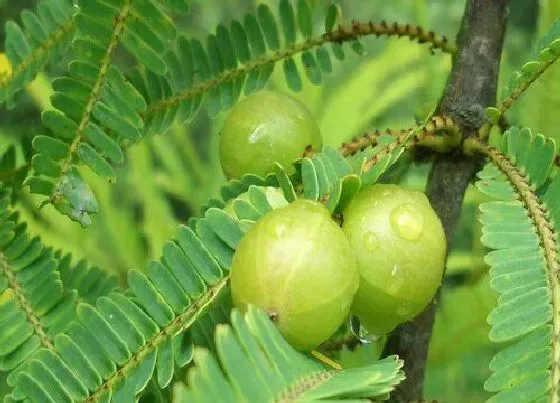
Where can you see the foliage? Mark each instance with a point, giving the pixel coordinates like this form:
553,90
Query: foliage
524,265
137,95
252,345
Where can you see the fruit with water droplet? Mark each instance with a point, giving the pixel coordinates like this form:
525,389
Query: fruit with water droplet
265,128
400,276
296,264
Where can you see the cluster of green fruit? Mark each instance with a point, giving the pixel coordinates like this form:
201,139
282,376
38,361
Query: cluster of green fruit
384,264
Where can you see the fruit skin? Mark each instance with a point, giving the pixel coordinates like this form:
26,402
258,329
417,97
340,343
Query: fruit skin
265,128
400,248
297,266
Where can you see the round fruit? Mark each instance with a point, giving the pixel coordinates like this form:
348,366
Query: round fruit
400,248
274,196
297,266
265,128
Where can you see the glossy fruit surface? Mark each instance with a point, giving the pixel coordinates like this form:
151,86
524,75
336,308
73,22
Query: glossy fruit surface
297,265
265,128
400,246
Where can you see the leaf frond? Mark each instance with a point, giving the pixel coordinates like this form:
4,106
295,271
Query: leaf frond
151,328
91,282
237,59
256,364
33,304
45,37
96,108
425,136
521,227
546,53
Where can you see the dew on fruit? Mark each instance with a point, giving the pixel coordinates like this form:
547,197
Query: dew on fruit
371,241
360,332
407,222
395,270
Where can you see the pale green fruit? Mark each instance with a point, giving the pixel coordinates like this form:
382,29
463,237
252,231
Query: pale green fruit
274,196
265,128
297,265
400,248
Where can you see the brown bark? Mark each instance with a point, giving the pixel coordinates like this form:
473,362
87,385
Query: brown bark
471,86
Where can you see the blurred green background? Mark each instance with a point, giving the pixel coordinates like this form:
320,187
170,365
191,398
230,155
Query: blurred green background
166,179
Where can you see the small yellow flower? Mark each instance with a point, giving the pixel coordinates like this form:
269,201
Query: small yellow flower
5,66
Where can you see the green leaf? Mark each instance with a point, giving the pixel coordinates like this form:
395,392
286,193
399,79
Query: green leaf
43,41
96,162
334,197
309,179
287,16
311,68
330,19
324,59
292,75
516,227
255,35
258,365
305,18
268,24
50,147
43,165
240,41
351,185
285,183
104,143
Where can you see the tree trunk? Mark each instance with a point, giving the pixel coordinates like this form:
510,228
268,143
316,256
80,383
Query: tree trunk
471,86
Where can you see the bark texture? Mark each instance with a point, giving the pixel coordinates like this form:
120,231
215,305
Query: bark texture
471,86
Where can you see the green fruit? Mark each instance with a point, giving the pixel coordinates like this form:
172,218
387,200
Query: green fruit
297,265
274,196
400,248
265,128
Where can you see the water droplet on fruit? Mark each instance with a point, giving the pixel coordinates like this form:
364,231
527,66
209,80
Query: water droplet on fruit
407,221
360,332
371,241
395,270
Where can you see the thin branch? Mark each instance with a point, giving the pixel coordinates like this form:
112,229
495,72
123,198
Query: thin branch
344,33
521,88
423,135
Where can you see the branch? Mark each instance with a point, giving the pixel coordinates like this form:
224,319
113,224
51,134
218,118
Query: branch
471,85
425,135
521,88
